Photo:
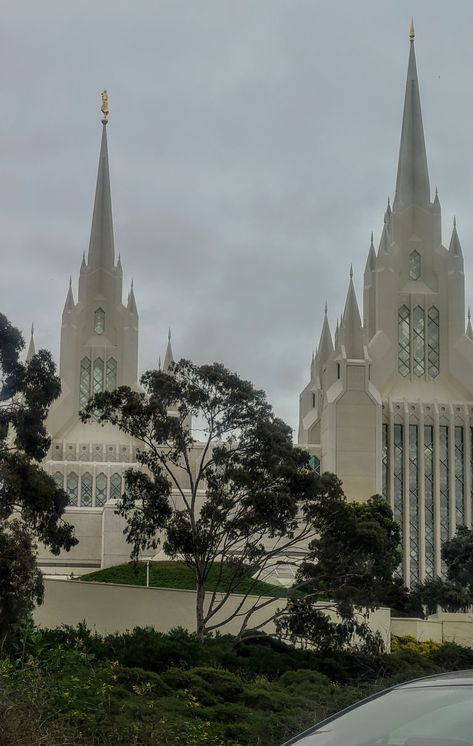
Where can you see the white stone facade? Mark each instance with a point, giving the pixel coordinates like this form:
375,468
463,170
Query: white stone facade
389,405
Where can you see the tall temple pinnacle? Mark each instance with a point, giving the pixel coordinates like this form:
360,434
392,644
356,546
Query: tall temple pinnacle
168,357
412,184
31,347
101,246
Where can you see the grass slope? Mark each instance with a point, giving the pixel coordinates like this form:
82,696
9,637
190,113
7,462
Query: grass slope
177,575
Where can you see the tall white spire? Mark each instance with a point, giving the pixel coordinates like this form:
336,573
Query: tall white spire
352,326
31,347
412,184
325,348
168,358
101,246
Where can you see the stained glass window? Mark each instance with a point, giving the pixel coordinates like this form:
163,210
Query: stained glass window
385,451
59,479
99,321
84,382
418,341
433,339
404,351
429,500
414,265
86,490
98,375
444,490
115,486
459,477
413,504
100,490
72,488
111,374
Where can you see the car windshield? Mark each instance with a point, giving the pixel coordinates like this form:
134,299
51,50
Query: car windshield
423,716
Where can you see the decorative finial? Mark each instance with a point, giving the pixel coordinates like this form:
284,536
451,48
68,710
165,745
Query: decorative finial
454,221
372,238
132,283
469,314
412,31
159,363
326,307
32,329
70,282
104,108
351,271
169,334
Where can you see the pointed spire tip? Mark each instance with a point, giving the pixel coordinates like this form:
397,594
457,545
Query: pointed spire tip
412,31
351,271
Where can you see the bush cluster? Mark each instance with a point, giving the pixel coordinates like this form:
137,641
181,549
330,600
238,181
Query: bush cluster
70,686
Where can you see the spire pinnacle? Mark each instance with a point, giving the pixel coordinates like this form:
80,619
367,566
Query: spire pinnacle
104,108
469,330
325,348
168,358
412,31
351,271
69,304
353,329
131,300
412,184
326,308
101,246
455,248
31,347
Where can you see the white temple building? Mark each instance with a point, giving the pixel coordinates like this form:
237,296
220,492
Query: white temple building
389,404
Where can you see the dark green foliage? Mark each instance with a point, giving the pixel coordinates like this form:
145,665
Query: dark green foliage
457,552
351,562
241,500
27,493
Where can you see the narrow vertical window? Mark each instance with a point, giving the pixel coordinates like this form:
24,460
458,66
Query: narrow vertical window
314,464
100,490
459,477
86,490
111,374
444,491
429,500
98,375
99,321
72,488
398,474
418,341
115,486
404,349
414,503
433,342
414,265
84,394
385,450
58,477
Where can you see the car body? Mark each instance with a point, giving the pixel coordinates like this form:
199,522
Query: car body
433,711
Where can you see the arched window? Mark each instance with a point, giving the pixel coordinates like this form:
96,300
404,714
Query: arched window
84,382
111,374
404,347
98,375
58,477
86,490
418,341
100,490
72,488
99,321
115,486
433,333
414,265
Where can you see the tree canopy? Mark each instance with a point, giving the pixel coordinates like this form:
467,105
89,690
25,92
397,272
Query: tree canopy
31,505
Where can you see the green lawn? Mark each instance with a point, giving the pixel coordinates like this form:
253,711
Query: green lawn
178,575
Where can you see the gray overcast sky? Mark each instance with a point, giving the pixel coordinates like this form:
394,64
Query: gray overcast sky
253,145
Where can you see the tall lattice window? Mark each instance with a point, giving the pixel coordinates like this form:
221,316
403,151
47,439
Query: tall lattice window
459,477
418,341
84,393
404,351
444,475
98,375
115,486
385,451
100,490
111,374
99,321
429,500
414,503
433,338
414,265
72,488
58,477
314,464
86,490
398,474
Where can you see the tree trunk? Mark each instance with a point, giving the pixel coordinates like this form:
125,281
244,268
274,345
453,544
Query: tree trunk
199,610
